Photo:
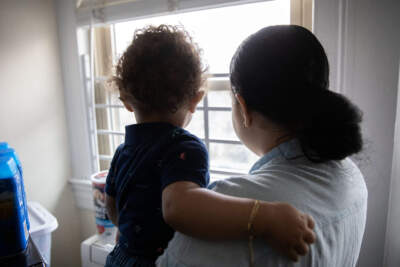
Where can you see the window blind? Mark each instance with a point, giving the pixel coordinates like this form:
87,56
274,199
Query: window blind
111,11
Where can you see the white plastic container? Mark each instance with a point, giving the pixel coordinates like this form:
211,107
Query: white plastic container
105,228
43,223
94,251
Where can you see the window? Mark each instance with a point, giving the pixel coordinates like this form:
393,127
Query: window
218,32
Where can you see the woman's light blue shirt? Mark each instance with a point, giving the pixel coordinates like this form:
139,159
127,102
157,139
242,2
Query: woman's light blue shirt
333,193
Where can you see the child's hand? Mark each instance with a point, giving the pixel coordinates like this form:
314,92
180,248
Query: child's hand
285,228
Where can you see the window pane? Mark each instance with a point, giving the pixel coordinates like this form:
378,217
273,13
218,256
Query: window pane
196,126
108,143
232,157
114,98
121,118
100,93
217,176
221,125
104,144
201,103
102,119
104,164
210,31
219,99
118,139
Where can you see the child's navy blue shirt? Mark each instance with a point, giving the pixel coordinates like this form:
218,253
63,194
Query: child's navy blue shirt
153,156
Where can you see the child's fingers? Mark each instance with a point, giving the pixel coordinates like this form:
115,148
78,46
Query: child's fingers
301,248
309,237
293,255
310,221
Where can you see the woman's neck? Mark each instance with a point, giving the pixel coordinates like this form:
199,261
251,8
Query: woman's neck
265,141
263,136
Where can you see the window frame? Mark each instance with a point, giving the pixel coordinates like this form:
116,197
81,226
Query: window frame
298,8
328,24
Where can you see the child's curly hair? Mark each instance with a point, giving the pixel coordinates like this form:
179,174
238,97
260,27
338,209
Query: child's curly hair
160,70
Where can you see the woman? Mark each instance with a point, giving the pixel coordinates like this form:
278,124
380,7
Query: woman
283,111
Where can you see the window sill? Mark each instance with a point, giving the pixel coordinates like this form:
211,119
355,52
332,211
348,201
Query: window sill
82,190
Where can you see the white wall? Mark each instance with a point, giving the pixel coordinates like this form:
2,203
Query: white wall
363,42
392,246
367,51
370,80
32,115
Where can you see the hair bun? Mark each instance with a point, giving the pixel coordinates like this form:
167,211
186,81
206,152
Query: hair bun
330,127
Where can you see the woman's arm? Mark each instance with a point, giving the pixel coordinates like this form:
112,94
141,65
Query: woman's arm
206,214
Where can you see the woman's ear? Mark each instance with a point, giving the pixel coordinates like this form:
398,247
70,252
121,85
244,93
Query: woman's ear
244,111
195,100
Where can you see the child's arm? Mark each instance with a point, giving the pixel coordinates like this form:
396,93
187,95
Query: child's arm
112,209
202,213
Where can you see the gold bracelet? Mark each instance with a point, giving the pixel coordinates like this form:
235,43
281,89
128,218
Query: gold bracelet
251,231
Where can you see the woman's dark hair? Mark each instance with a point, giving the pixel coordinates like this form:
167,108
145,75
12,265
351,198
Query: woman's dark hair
282,72
160,70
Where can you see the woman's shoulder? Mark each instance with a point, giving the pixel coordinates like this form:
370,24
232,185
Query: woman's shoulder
246,185
231,182
283,180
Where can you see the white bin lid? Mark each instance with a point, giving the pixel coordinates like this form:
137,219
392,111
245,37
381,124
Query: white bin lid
42,221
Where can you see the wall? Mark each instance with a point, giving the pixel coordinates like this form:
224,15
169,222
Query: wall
363,43
392,246
370,77
75,108
32,115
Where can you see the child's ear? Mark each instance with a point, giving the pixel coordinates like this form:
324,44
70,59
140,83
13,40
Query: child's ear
124,99
127,105
195,100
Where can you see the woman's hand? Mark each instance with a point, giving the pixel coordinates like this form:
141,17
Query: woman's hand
284,228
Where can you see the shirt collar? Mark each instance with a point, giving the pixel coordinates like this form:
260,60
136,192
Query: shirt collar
289,150
142,132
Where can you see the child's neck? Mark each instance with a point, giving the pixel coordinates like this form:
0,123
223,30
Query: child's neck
175,119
